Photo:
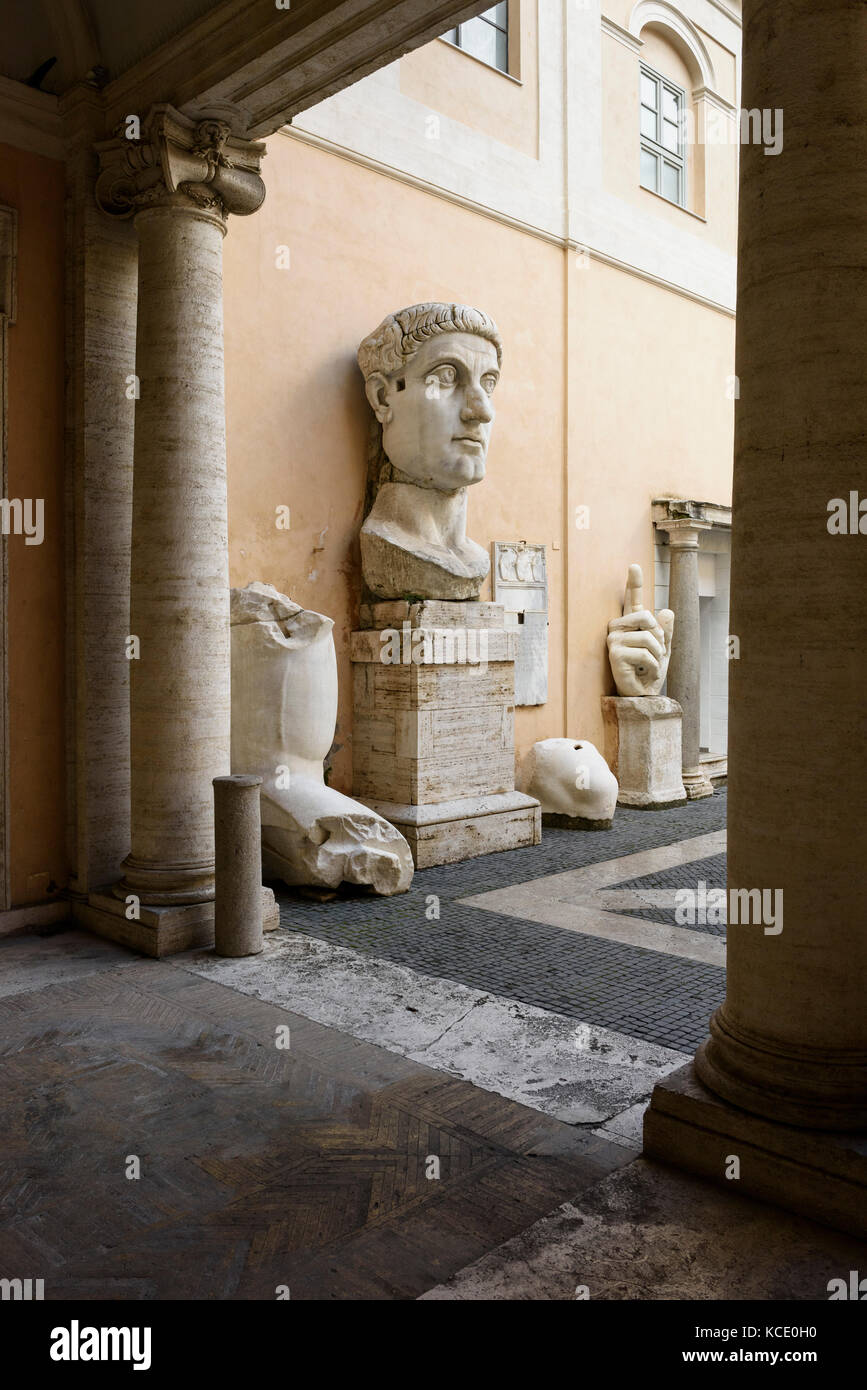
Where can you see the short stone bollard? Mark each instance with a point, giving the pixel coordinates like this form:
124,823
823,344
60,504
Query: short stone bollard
238,856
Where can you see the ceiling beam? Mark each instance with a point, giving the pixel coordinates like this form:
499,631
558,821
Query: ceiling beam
271,63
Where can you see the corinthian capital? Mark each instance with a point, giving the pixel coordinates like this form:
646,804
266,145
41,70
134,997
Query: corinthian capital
180,161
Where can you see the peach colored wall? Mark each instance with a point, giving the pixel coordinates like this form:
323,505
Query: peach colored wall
461,87
362,245
34,186
645,389
649,416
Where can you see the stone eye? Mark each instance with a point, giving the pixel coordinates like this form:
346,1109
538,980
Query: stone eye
489,382
447,375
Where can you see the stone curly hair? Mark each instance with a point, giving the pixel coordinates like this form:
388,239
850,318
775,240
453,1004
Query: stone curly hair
400,335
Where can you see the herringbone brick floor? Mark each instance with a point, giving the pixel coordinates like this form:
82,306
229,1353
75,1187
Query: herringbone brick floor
260,1166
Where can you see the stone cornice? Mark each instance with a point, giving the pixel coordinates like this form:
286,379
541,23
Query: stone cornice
182,162
670,513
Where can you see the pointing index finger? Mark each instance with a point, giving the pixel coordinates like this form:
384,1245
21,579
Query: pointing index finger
634,600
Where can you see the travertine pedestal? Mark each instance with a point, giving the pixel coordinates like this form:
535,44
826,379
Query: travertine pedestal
434,741
643,750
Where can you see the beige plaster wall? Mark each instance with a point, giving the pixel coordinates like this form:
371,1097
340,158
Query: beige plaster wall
649,416
502,105
34,186
362,245
645,393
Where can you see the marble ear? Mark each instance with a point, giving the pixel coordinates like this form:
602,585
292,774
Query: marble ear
376,388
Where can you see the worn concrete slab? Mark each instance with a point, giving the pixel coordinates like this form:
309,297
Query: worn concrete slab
576,1073
649,1232
33,962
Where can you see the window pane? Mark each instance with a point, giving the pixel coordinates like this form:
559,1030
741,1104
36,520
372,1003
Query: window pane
670,105
499,14
670,181
480,39
451,35
648,92
649,167
648,122
669,136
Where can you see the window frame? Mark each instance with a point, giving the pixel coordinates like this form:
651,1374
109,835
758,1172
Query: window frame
498,28
654,145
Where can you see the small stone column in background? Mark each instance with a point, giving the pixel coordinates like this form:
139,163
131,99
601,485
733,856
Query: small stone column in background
238,857
684,668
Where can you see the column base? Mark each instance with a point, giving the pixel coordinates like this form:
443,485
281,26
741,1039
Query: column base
159,930
166,885
818,1174
455,830
696,783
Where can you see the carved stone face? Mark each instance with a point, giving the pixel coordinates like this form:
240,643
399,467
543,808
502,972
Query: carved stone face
436,411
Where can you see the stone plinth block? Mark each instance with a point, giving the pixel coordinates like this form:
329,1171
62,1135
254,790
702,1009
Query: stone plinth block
158,930
434,738
815,1173
643,749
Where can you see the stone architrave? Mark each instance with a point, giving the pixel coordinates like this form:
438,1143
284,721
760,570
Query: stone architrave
429,373
519,581
575,786
642,749
433,741
284,710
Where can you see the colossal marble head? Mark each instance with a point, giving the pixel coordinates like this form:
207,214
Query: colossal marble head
429,374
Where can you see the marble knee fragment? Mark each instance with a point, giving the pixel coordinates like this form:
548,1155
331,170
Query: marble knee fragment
284,710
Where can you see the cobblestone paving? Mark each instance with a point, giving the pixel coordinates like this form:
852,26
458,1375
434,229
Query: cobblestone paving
711,871
646,994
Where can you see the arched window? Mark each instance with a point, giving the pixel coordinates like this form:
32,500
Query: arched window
662,118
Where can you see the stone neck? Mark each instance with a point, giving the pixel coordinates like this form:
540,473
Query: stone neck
439,518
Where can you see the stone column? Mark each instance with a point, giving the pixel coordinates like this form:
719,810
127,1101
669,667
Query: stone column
788,1048
238,852
684,669
179,181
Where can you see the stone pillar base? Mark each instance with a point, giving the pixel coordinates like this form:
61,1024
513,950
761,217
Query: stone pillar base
697,783
818,1174
450,831
643,750
433,737
158,931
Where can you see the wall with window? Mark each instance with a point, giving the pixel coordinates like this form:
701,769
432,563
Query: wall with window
442,177
456,83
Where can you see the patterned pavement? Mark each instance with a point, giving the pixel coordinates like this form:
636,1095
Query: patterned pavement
646,994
